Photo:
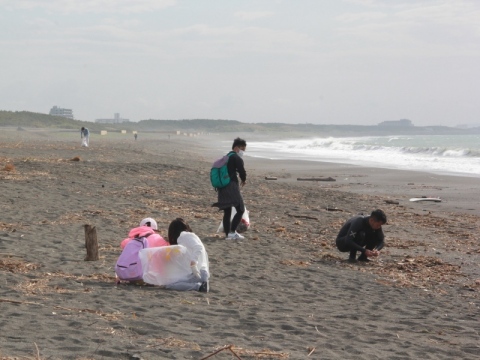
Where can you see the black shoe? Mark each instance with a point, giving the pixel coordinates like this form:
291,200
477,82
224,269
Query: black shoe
352,260
363,258
205,287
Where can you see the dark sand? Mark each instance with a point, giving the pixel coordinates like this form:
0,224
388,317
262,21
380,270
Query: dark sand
284,292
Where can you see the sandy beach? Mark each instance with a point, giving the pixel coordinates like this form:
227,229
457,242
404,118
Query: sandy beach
285,292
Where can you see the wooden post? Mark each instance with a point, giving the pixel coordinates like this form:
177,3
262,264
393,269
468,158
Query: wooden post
91,243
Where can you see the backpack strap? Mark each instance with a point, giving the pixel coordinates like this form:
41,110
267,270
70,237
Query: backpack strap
145,235
139,239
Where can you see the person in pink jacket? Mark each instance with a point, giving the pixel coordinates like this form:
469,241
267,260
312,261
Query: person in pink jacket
148,228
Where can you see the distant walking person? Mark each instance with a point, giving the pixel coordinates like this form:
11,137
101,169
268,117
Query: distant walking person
85,136
230,196
364,234
135,136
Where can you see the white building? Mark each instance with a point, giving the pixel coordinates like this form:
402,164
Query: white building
56,111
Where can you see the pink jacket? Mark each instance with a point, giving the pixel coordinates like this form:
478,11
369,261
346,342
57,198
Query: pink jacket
153,239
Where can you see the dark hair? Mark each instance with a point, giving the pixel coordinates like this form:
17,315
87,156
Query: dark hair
238,142
83,128
379,215
175,229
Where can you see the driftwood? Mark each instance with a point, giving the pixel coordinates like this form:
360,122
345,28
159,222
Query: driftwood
316,179
302,216
91,243
270,178
333,209
392,202
20,302
226,347
256,354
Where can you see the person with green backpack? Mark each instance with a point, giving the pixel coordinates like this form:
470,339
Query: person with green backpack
229,195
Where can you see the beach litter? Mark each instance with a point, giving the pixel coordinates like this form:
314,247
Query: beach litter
244,222
317,179
9,167
260,354
426,198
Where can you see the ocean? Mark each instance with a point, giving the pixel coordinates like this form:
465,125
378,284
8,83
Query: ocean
440,154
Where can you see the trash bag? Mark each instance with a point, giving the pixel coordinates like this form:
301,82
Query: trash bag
244,223
165,265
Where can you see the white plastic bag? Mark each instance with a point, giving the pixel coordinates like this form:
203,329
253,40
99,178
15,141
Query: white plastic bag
244,223
165,265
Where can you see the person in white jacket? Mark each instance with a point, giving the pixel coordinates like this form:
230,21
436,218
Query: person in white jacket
85,136
180,233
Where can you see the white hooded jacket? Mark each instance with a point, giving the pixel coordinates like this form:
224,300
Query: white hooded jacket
195,249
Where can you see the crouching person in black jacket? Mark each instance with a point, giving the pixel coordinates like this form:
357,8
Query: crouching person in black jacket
364,234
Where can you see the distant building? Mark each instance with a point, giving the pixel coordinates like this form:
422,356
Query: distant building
56,111
402,122
116,120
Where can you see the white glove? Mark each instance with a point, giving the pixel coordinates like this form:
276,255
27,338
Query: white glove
195,270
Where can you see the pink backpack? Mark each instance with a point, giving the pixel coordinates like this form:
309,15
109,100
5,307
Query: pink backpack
128,265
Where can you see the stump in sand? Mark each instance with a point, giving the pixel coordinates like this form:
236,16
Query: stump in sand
91,243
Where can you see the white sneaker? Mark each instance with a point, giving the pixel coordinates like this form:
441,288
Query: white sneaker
234,236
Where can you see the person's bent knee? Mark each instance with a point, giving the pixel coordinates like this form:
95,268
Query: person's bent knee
341,245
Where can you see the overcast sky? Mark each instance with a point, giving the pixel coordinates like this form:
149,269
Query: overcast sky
296,61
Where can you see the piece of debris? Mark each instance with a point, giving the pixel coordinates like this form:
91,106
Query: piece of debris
424,198
333,209
9,167
317,179
302,216
270,178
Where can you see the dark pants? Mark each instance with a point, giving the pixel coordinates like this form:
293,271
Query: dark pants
227,214
368,243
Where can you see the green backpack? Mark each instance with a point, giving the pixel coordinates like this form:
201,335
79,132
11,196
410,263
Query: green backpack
219,177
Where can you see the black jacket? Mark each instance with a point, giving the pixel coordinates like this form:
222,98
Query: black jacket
234,165
356,232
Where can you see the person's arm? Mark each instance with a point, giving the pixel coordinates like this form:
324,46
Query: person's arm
195,247
200,257
240,169
380,241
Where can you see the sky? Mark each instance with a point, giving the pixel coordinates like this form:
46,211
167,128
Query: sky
255,61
